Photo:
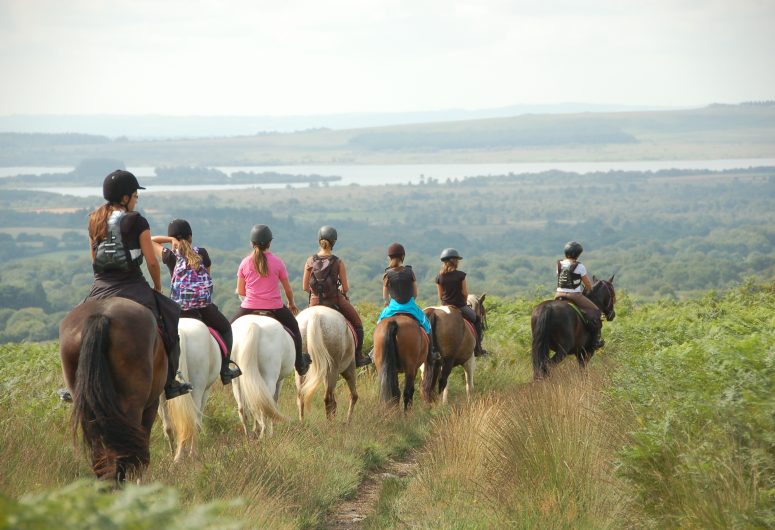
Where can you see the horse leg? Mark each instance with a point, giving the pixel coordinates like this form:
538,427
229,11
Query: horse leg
299,400
468,368
408,389
446,369
330,396
349,376
235,388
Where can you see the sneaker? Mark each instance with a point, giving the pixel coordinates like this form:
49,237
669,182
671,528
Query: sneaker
176,388
64,395
228,373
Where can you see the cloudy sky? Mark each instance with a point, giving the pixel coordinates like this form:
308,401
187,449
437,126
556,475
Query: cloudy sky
270,57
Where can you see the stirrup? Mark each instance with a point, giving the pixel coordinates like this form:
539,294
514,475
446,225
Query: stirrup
177,389
362,360
64,395
227,373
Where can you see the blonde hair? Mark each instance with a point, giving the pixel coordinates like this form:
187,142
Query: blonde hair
325,244
448,265
396,261
259,260
193,260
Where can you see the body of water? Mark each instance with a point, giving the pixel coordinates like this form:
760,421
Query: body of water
373,175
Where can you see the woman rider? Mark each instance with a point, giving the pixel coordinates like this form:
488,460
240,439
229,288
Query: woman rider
192,286
572,279
258,284
453,291
399,290
119,239
325,279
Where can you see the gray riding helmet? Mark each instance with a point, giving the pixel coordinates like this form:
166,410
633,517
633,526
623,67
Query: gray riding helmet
573,249
449,253
328,233
260,235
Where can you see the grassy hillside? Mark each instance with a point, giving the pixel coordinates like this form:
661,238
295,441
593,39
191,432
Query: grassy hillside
720,131
671,427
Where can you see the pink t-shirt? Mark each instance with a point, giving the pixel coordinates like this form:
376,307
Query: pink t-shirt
262,292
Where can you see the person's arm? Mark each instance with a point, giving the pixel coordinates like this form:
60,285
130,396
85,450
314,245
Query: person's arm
305,278
586,282
289,296
158,244
343,278
438,290
464,289
146,247
414,289
241,286
385,295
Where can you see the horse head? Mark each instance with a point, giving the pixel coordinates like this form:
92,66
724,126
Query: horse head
477,304
604,296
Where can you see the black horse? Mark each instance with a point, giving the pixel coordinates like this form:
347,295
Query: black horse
558,327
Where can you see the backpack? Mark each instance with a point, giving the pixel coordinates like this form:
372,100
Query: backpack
111,254
191,289
324,278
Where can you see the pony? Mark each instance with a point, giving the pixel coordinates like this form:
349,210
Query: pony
558,327
115,366
400,345
265,352
200,363
327,338
454,339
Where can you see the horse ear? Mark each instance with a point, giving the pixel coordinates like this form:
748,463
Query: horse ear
594,279
481,298
611,279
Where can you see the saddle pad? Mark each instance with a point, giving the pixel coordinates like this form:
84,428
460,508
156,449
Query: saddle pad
219,340
352,330
470,327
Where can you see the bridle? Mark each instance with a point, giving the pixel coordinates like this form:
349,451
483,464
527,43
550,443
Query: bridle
608,310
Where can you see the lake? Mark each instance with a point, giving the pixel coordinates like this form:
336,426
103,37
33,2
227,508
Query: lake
373,175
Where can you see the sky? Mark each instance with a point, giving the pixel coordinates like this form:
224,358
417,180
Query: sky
298,57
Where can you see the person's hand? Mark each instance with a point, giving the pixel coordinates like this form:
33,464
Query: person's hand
157,288
293,308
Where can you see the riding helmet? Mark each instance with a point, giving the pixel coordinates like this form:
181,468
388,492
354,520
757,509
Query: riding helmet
573,249
118,184
179,229
450,253
260,235
328,233
396,250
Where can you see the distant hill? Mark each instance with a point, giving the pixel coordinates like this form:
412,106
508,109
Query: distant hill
716,131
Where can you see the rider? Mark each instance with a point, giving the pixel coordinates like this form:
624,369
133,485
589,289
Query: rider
399,289
453,290
192,285
258,279
119,238
572,280
325,279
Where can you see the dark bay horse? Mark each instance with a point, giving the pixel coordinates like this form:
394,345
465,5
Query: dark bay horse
558,327
115,366
454,339
400,345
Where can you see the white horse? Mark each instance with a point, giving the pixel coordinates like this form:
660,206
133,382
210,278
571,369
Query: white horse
331,345
264,351
200,364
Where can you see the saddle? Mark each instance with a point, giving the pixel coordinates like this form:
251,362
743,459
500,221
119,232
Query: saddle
413,318
465,320
262,313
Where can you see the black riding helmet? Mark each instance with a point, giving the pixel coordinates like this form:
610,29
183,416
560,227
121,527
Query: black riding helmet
573,249
179,229
328,233
118,184
450,253
260,235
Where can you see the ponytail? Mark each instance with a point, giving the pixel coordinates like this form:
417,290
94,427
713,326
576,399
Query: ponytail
259,260
98,222
396,261
193,259
448,265
325,244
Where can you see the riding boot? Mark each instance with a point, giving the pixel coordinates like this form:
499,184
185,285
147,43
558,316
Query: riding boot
175,388
303,360
597,339
478,350
228,373
433,353
360,360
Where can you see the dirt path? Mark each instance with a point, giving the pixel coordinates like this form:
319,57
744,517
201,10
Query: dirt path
349,514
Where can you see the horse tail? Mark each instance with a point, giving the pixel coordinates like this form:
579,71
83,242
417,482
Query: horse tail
107,432
322,363
540,348
183,412
389,391
255,393
429,374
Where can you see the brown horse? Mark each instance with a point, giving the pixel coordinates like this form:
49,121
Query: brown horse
454,339
115,366
558,327
400,345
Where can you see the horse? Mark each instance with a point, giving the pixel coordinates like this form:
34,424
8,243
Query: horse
558,327
327,338
400,345
265,352
115,366
454,339
200,364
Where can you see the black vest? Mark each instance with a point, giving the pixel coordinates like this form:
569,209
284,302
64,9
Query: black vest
111,254
566,275
400,284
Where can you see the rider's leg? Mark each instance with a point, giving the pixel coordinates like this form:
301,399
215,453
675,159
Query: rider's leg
215,319
170,313
594,315
349,312
469,314
286,318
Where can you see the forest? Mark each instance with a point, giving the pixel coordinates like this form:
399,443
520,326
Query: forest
665,235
